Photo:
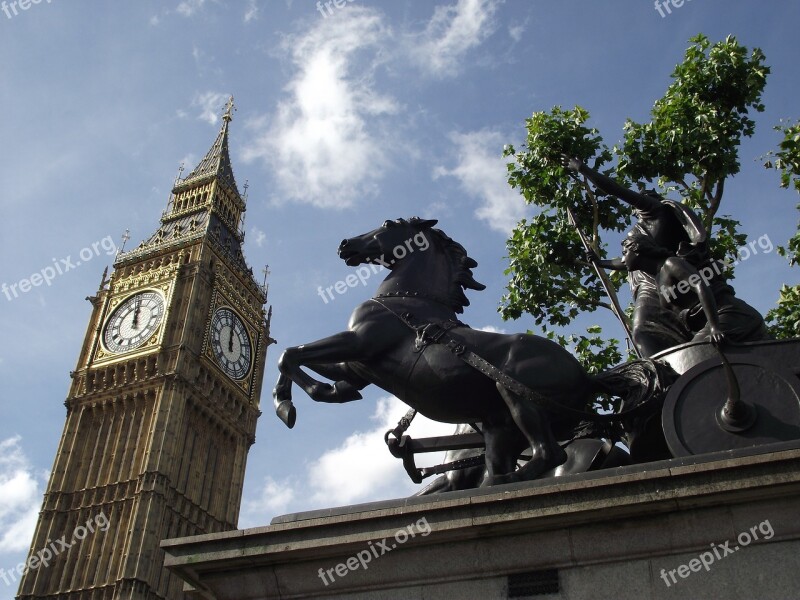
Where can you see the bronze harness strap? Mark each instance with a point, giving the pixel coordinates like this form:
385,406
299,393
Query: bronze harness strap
434,333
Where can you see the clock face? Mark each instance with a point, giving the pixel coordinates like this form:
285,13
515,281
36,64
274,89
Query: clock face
134,321
230,343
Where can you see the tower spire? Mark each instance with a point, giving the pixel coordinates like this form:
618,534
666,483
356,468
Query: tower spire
206,203
217,161
229,108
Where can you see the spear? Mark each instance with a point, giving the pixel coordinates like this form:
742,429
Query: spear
607,285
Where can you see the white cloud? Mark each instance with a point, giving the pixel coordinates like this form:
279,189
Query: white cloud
211,105
516,31
361,469
259,236
481,171
20,497
272,498
492,329
188,8
322,142
251,11
188,163
451,33
205,64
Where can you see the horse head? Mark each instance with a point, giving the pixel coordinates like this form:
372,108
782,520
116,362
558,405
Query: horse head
387,244
423,261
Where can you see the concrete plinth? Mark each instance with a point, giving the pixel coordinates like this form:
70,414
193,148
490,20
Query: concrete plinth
722,525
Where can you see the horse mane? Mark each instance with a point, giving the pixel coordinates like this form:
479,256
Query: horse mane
460,261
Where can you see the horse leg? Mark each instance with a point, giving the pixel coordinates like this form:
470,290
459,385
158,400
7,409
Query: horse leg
546,454
341,347
348,383
503,446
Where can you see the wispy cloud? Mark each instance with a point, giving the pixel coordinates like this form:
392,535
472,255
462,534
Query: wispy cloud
258,236
516,31
272,498
451,33
188,8
20,497
205,64
211,105
251,11
481,171
323,142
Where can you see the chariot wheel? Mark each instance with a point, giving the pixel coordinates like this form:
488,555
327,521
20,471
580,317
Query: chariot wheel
768,410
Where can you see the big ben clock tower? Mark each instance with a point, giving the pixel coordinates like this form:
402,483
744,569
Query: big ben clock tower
163,403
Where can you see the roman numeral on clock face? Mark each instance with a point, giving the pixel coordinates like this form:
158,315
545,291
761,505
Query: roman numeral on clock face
230,343
134,321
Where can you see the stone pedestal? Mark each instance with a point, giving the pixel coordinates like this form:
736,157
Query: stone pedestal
724,525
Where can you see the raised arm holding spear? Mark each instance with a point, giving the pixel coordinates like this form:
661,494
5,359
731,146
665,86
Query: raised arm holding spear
654,328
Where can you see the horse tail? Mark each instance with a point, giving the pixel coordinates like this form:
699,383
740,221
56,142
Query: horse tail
635,382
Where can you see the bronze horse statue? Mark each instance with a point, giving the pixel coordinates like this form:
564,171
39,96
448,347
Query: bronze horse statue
408,341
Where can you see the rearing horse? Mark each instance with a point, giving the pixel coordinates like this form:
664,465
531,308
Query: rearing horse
428,275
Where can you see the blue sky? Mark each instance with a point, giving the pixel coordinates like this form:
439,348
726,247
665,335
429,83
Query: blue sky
378,110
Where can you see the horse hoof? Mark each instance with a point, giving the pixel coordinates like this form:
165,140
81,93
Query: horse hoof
534,469
286,413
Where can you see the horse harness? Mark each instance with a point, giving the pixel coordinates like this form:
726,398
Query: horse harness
439,333
428,333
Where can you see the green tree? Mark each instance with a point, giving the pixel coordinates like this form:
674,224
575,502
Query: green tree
550,276
784,320
690,146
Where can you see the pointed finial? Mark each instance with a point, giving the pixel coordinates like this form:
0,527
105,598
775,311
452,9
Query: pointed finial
245,186
103,279
264,286
178,176
171,198
229,108
125,237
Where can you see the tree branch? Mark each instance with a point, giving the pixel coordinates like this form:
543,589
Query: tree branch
716,199
704,188
595,224
684,185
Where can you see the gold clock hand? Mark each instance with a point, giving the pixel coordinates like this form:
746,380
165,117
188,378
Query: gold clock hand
138,304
